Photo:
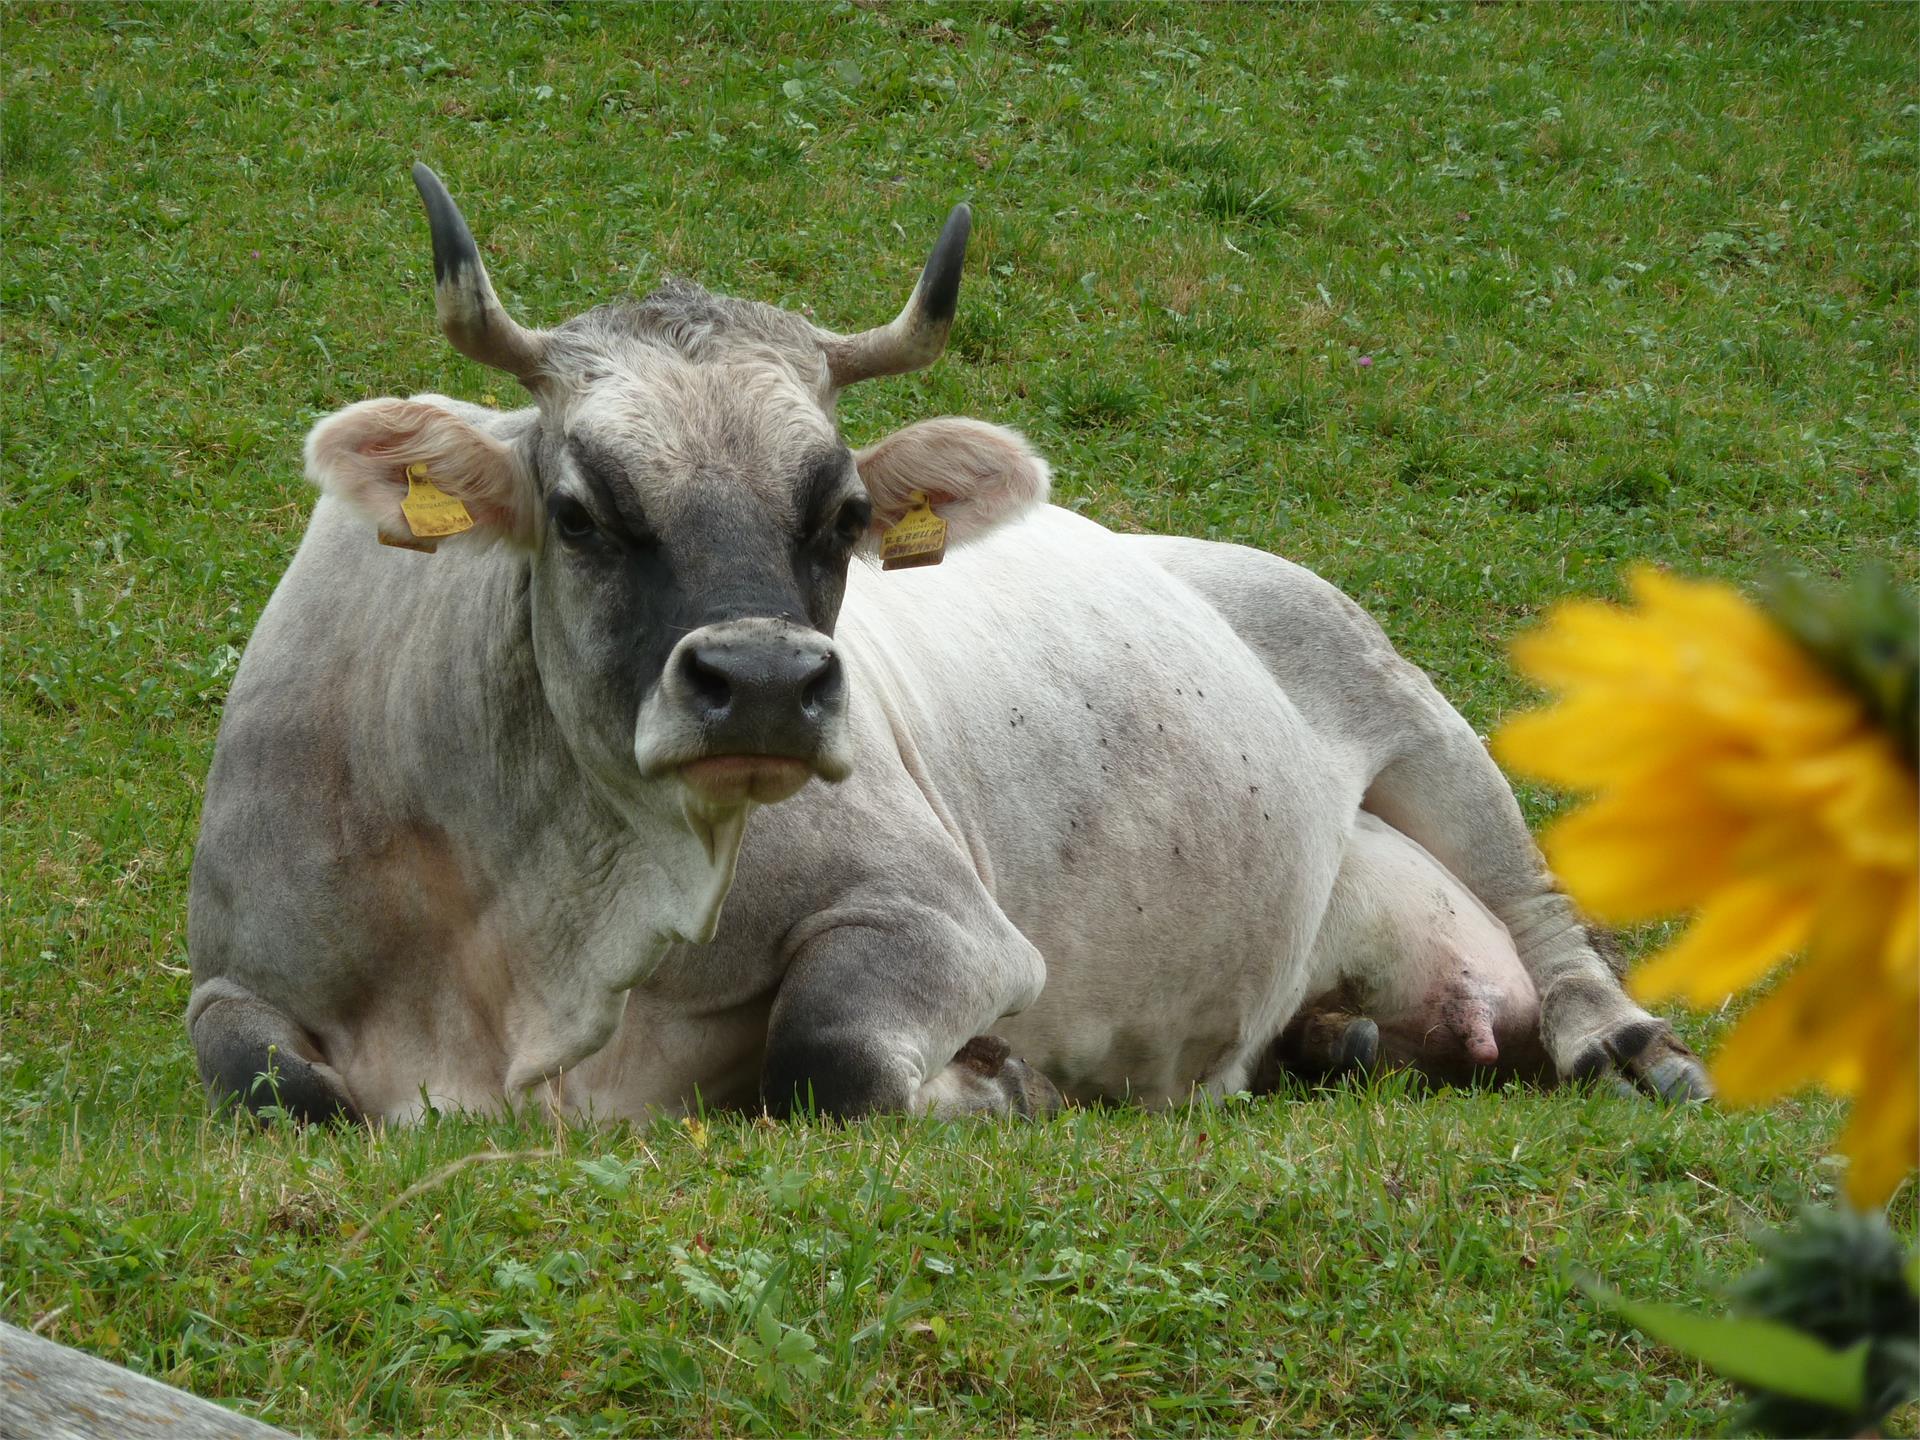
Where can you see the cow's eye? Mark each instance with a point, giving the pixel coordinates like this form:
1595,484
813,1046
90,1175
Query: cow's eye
852,521
571,519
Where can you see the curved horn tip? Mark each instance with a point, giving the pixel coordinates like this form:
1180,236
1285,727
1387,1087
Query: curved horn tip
453,246
940,281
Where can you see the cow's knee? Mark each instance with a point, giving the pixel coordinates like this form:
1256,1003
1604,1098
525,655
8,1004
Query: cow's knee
833,1075
253,1055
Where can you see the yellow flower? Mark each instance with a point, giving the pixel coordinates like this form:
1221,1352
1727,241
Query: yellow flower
1735,777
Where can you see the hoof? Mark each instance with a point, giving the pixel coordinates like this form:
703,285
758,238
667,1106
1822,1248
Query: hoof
1679,1078
1359,1048
1030,1094
1024,1090
1646,1058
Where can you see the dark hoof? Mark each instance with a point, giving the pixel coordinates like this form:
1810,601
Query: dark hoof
1320,1047
1645,1058
1029,1093
1359,1048
1679,1078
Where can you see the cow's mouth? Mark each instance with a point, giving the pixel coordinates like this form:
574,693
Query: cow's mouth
728,780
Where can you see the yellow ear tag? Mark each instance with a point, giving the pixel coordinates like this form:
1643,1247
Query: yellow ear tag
918,537
431,512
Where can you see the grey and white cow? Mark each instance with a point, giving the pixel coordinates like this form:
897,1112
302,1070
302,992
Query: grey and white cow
1147,813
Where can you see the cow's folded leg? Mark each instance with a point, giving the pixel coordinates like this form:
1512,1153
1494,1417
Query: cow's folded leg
1445,791
1579,1017
254,1055
985,1079
890,1017
847,1077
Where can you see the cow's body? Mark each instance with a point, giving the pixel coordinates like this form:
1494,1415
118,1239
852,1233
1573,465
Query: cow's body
1078,794
1059,736
1122,804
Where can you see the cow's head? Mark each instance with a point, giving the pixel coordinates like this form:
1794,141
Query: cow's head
688,506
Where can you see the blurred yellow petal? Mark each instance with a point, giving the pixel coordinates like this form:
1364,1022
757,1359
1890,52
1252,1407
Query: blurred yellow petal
1584,643
1760,783
1882,1137
1737,939
1792,1037
1856,914
1734,775
1591,741
1900,959
1640,854
1721,628
1787,850
1873,813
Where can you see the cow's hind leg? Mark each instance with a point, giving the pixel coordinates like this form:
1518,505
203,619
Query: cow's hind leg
1445,791
252,1054
1433,780
1321,1045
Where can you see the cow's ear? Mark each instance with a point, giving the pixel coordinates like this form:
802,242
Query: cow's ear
363,453
975,475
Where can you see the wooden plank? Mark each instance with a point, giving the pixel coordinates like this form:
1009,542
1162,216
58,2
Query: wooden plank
50,1391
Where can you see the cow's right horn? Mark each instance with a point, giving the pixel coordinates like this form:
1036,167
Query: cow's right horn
917,335
470,313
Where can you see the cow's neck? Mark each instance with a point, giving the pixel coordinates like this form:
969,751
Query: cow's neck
607,876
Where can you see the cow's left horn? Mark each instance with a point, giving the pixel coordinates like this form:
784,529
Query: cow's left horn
918,334
470,313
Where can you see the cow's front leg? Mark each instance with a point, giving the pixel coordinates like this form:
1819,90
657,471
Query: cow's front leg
253,1053
889,1013
1444,790
984,1078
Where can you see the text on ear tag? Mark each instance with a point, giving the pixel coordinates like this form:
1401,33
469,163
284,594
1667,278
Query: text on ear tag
918,537
430,511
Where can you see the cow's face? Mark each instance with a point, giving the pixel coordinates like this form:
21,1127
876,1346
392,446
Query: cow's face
688,510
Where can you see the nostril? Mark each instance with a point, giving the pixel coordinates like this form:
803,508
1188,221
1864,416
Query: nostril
823,686
705,681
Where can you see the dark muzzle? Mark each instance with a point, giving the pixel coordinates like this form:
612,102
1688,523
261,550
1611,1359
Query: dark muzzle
748,710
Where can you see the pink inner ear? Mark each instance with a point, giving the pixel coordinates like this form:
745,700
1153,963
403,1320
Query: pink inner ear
974,474
362,455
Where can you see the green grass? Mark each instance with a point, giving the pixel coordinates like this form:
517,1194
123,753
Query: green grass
1634,283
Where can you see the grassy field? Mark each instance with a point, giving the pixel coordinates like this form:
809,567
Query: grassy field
1465,308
